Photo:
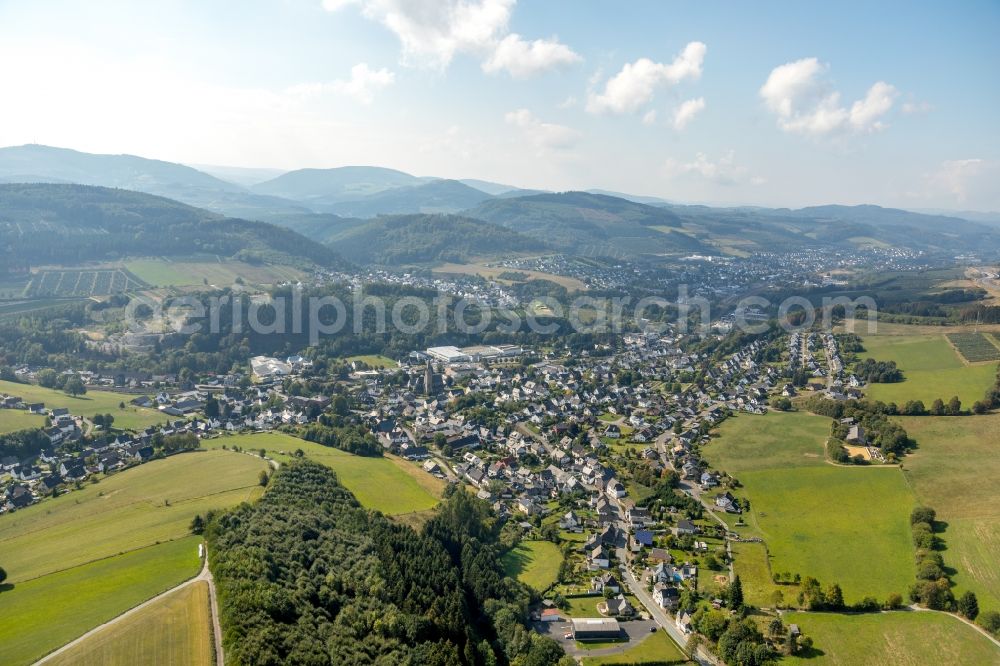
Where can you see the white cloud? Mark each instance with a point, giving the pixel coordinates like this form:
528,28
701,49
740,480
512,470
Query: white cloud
687,111
635,84
916,108
865,113
567,103
649,118
432,32
966,181
544,135
723,171
798,94
362,85
522,59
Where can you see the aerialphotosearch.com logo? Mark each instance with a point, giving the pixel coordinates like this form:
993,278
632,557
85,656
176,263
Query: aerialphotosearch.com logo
321,317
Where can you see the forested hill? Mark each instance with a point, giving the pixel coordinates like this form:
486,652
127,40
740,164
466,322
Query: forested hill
409,239
307,576
45,223
590,223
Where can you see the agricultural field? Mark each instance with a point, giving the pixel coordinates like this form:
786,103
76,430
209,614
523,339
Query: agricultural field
389,484
373,360
174,630
955,469
46,613
848,525
19,419
16,309
775,440
12,286
83,282
974,347
931,367
93,402
494,273
752,565
891,638
148,504
657,649
162,272
534,563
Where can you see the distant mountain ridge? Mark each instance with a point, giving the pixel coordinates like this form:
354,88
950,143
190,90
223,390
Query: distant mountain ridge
323,203
46,223
436,196
338,184
44,164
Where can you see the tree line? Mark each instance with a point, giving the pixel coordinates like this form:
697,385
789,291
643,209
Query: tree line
307,576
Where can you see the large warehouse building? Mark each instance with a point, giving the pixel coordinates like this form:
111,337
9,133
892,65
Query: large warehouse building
596,629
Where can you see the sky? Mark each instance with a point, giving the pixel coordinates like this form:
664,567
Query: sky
736,103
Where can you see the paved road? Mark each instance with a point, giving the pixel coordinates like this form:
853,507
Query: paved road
204,575
639,590
213,600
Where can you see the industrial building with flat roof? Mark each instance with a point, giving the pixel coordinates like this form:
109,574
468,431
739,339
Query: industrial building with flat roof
451,354
596,629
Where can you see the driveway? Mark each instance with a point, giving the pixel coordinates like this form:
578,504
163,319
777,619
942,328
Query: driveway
635,631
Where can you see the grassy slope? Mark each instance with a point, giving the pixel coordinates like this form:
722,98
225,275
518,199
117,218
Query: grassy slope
178,273
94,402
390,485
931,369
535,563
124,511
174,630
837,524
45,613
956,470
18,419
892,638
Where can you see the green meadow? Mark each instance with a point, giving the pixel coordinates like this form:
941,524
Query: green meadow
846,525
93,402
931,367
138,507
191,271
43,614
174,630
388,484
373,360
18,419
534,563
956,470
888,639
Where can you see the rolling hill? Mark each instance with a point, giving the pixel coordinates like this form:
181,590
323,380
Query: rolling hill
755,229
324,203
410,239
590,223
43,223
332,185
45,164
437,196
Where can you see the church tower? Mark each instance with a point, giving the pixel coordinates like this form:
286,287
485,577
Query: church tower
429,379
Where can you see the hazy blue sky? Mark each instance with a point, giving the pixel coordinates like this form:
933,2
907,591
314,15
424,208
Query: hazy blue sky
774,103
